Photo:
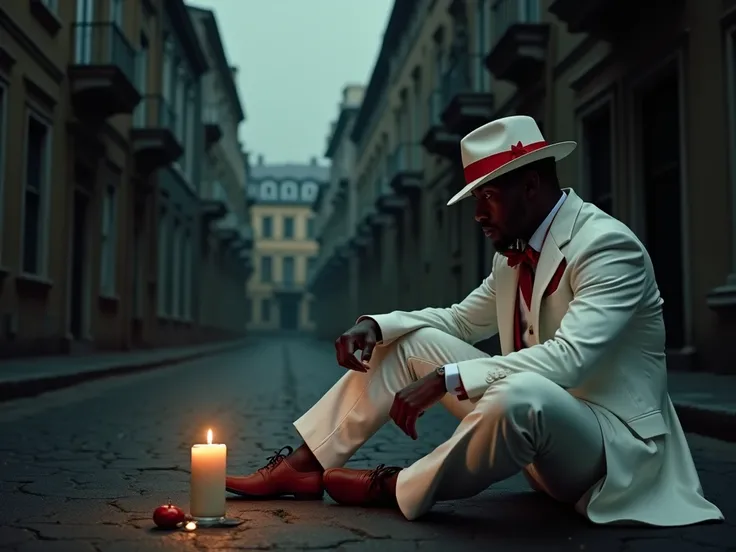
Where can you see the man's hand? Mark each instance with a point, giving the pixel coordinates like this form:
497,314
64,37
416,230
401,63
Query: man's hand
361,337
413,400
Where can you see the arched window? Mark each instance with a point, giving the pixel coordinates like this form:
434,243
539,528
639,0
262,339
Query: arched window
289,190
269,191
309,191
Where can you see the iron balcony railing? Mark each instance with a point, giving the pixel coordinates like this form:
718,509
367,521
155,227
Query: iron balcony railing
155,112
104,44
510,12
464,75
405,158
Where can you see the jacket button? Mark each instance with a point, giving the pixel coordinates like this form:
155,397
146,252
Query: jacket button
531,330
490,379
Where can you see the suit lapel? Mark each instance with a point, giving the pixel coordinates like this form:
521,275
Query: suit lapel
551,256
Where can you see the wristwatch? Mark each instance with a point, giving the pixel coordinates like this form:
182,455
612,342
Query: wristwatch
440,371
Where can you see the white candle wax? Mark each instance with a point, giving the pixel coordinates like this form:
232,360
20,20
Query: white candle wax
207,486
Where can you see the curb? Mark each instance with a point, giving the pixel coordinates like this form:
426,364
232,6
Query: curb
708,422
23,389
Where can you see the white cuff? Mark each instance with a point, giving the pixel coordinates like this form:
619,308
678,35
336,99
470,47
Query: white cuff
452,378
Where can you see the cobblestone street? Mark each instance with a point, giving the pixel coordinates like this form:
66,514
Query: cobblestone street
83,469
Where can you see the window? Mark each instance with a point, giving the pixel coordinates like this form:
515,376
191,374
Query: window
37,170
141,67
289,191
265,310
108,258
83,32
311,265
309,191
288,228
168,70
187,271
267,227
3,116
269,191
190,140
311,228
116,12
598,157
288,271
162,254
266,269
180,105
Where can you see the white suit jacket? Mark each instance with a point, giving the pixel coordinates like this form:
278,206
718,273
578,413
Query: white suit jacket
600,336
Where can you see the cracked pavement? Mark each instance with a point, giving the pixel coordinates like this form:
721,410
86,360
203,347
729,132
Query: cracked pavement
83,469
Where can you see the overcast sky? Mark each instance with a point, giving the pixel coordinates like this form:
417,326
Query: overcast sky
295,56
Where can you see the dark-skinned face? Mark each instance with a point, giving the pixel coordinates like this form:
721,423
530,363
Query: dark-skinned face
504,207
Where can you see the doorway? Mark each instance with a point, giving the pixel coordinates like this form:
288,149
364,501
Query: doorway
79,266
289,314
659,124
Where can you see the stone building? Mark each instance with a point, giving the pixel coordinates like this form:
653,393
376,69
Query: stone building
285,248
101,135
650,102
227,239
336,212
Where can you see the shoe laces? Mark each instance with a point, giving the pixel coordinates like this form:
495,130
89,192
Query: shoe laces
277,458
378,476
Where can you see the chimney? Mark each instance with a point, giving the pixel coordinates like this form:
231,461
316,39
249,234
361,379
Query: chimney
260,159
234,71
313,161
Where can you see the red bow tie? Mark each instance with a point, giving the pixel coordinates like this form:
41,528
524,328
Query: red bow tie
527,255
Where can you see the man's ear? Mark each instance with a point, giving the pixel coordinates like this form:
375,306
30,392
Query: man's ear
532,182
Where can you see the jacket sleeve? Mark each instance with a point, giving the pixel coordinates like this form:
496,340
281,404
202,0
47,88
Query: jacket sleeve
609,281
472,320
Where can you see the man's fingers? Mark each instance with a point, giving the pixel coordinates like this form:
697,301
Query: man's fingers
368,350
345,352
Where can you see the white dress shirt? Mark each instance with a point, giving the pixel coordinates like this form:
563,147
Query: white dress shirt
452,375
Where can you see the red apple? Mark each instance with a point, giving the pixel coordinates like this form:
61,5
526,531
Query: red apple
168,516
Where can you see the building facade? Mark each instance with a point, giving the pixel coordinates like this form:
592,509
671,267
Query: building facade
336,212
285,248
227,236
651,103
100,134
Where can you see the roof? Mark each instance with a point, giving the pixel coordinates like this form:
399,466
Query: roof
291,171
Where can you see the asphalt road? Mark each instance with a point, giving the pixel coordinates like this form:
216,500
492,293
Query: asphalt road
83,469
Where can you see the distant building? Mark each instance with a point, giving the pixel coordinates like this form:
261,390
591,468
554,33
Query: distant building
285,244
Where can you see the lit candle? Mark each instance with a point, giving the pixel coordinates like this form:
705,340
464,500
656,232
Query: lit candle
207,487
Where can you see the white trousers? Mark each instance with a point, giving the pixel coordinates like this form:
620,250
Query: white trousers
522,422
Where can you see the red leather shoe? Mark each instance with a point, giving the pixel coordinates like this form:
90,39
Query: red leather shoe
277,479
361,487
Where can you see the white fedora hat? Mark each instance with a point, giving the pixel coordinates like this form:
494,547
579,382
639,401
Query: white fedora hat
501,146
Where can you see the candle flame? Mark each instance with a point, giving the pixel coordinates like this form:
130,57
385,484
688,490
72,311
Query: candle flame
209,436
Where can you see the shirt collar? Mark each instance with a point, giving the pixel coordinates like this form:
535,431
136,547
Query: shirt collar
537,239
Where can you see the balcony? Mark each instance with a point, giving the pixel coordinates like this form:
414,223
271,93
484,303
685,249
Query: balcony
288,287
102,73
227,230
153,135
438,140
466,103
387,199
404,169
519,53
213,209
610,19
212,125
